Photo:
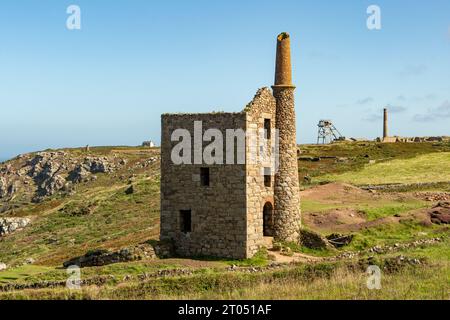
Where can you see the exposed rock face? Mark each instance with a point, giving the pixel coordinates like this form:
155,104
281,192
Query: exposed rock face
51,185
3,187
313,240
7,189
37,176
440,214
82,172
9,225
46,169
79,174
99,165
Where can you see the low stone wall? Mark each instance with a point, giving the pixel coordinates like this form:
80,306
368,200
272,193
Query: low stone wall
102,257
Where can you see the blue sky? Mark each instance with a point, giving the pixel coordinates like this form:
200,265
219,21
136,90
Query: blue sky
108,83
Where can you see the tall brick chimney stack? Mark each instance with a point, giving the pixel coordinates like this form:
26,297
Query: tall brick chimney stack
287,218
385,123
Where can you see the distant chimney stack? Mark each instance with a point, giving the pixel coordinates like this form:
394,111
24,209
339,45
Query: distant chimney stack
385,123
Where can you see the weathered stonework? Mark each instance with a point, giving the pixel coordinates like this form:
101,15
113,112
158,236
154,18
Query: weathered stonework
287,201
227,215
286,193
258,195
232,215
218,211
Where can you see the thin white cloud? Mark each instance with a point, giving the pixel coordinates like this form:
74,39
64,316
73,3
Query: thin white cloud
426,97
374,117
365,100
433,114
377,115
423,118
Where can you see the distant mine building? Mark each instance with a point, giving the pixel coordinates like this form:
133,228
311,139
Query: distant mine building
149,144
232,209
391,139
386,138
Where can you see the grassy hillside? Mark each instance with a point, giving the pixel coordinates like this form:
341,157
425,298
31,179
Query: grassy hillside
311,281
433,167
97,214
103,213
321,162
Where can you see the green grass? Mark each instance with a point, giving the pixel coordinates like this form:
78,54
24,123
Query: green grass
21,273
373,209
358,155
389,234
117,220
433,167
308,205
313,252
318,281
37,274
259,259
390,208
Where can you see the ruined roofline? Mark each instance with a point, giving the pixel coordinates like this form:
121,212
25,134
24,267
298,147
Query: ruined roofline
248,107
212,113
258,94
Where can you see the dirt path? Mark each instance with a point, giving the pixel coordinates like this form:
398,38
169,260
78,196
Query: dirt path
277,257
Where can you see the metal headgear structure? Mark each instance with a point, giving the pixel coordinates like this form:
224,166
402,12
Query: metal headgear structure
327,132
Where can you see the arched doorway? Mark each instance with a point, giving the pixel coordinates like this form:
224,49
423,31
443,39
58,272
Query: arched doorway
268,220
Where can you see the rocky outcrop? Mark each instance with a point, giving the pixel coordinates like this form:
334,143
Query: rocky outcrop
313,240
47,169
99,165
440,214
34,177
7,190
3,187
45,174
79,174
9,225
103,257
91,165
339,240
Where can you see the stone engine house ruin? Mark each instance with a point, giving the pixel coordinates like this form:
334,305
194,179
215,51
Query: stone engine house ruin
230,210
